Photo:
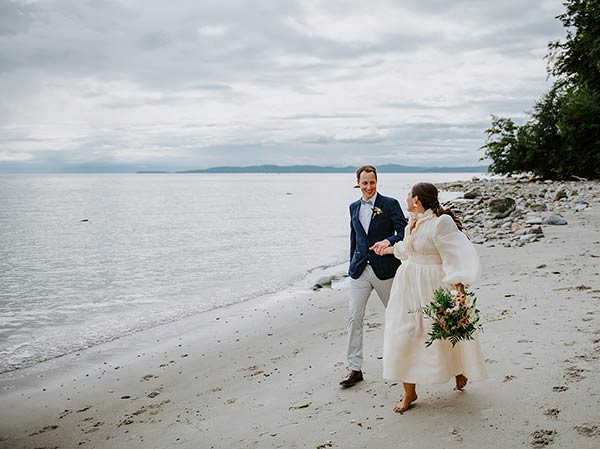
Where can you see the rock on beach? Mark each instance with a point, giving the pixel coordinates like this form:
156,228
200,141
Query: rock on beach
513,211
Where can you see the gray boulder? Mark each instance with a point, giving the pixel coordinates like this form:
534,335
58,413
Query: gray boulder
472,194
502,207
538,207
533,220
554,220
323,282
559,195
535,230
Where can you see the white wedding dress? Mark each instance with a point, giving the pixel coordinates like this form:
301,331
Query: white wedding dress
435,254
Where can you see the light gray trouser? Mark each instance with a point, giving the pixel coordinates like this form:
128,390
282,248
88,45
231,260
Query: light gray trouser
360,290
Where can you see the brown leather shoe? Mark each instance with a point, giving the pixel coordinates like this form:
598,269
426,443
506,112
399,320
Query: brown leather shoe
352,378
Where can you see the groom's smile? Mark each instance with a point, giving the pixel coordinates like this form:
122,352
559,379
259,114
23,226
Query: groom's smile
368,184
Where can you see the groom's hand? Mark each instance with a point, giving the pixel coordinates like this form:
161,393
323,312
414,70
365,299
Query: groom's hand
379,247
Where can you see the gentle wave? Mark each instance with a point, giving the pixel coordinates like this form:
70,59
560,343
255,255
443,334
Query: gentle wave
30,353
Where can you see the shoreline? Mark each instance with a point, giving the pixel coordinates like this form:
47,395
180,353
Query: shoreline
187,324
264,373
311,275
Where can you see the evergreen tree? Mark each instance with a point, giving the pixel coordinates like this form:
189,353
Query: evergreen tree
562,136
577,60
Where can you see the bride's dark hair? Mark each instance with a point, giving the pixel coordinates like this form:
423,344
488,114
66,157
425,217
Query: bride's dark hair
428,195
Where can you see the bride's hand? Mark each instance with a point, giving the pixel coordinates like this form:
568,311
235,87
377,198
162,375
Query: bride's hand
382,248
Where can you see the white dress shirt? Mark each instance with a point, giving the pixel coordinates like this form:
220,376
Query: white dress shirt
366,212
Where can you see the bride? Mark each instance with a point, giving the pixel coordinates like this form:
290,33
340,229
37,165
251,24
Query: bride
435,253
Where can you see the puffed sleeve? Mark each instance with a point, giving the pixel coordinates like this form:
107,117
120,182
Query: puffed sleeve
400,250
460,260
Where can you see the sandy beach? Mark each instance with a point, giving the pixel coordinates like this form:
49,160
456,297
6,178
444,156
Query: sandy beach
264,374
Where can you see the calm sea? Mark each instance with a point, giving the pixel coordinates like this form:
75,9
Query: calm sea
85,259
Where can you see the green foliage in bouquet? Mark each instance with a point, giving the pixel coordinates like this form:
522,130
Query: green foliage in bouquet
454,316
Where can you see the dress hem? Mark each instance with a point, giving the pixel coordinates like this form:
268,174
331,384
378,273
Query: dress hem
429,382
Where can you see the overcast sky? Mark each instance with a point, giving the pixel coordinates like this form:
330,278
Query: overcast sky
184,84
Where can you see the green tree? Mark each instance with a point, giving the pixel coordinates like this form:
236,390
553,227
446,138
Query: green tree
562,136
541,139
577,60
580,124
501,145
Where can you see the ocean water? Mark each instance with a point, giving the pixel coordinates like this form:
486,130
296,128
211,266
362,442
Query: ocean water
85,259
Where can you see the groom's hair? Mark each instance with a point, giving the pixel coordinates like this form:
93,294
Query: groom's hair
366,169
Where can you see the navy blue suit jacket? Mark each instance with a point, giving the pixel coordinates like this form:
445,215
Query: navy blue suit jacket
389,224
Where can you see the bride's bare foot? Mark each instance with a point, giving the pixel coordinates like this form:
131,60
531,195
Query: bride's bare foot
405,404
461,382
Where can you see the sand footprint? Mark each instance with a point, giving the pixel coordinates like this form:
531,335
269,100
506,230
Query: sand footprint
588,430
574,373
552,413
541,438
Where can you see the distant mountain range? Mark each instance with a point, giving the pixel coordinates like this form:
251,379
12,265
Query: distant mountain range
387,168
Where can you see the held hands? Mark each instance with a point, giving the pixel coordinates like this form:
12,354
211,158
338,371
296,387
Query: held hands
460,287
382,248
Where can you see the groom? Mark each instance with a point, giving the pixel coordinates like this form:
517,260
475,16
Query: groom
376,222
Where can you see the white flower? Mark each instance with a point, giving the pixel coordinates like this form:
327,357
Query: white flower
376,211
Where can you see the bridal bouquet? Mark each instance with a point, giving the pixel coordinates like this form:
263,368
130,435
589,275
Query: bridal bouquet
454,315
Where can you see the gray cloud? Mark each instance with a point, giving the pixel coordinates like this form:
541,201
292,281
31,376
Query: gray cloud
191,84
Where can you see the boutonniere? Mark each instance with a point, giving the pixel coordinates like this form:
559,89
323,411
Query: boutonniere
376,211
